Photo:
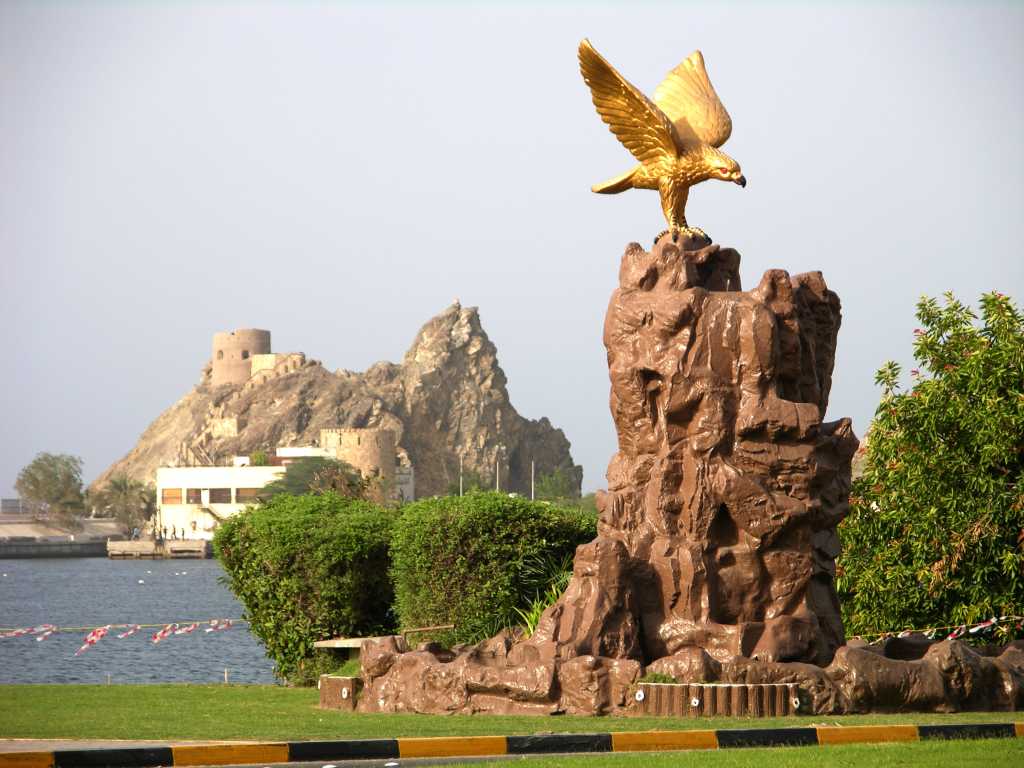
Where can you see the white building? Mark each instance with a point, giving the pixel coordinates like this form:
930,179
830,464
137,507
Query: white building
192,501
305,451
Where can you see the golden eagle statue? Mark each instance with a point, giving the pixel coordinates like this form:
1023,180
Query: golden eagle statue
675,137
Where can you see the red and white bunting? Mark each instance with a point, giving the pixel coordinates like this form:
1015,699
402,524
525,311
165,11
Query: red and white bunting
984,625
43,631
24,631
92,638
163,633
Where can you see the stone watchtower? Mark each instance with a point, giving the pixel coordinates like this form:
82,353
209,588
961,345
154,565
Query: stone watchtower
232,354
371,451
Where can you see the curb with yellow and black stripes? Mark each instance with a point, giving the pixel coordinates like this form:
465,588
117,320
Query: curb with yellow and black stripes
480,746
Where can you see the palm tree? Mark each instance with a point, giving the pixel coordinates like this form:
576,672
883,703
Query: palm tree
127,500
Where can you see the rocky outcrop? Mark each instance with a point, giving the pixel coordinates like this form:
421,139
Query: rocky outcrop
447,399
715,555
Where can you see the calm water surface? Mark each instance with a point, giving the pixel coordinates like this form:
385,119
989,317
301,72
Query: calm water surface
93,591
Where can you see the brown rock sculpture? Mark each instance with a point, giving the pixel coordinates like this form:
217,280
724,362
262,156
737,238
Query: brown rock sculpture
727,486
716,546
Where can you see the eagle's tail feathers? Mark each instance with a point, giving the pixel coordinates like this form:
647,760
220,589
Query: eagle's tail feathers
618,184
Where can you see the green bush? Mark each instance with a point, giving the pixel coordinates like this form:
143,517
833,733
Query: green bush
308,568
472,561
936,530
658,677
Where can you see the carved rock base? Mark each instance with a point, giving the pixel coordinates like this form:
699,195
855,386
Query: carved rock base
716,546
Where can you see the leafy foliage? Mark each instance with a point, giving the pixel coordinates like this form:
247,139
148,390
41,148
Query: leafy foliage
308,568
473,560
259,459
548,576
129,501
54,482
471,482
936,530
658,677
315,474
557,485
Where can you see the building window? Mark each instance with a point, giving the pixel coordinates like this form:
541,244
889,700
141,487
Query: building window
245,354
220,354
220,495
170,496
247,495
194,496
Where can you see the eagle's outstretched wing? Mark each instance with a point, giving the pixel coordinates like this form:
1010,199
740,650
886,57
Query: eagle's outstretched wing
688,98
643,128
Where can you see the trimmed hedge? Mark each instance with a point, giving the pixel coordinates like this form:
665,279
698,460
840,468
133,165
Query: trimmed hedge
473,560
306,568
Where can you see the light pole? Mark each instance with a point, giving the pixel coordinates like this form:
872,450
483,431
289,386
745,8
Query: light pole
497,468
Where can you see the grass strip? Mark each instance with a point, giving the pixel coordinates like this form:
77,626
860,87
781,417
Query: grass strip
274,713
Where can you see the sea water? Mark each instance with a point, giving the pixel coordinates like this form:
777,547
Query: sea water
93,591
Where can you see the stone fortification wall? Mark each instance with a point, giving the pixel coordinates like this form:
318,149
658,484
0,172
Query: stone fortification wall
269,366
371,451
231,361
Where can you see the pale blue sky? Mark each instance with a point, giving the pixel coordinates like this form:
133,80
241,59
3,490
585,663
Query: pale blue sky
339,173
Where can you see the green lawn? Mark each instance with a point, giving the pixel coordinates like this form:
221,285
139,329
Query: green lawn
988,753
262,713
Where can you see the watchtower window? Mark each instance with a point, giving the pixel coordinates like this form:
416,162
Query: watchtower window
245,354
193,495
220,354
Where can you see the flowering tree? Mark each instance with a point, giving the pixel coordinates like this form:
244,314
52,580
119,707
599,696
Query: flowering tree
936,530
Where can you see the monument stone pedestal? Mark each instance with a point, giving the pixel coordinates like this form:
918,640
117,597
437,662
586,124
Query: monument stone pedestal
716,546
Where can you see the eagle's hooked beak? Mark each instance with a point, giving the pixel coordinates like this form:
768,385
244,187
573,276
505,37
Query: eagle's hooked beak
742,181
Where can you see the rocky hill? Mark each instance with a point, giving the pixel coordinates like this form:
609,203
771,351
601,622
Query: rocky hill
447,399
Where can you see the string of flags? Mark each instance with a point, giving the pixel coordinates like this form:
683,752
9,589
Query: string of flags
953,631
95,634
92,638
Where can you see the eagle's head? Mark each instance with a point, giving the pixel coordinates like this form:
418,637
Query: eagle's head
720,166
